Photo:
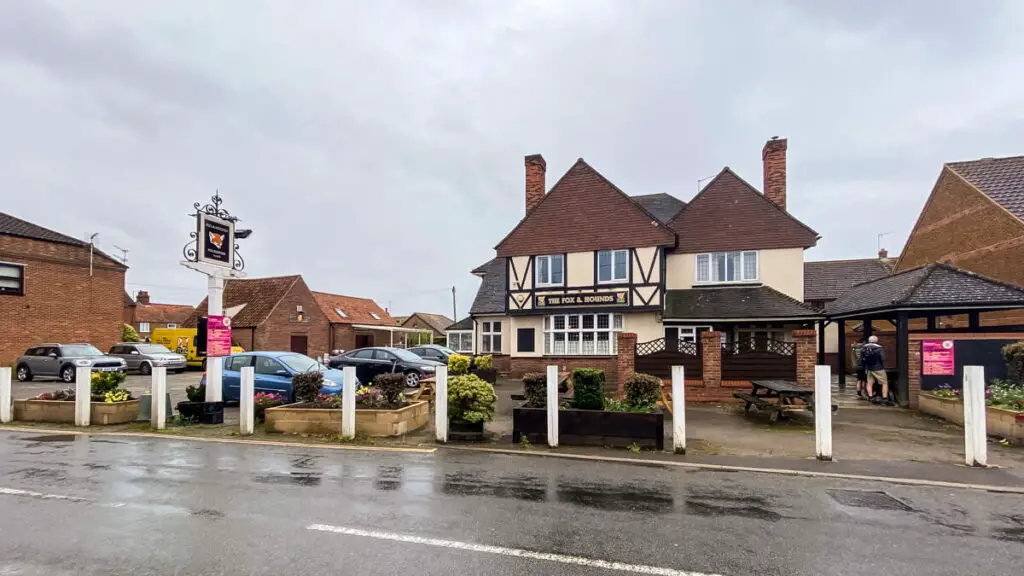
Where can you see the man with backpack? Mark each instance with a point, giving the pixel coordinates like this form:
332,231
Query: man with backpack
872,360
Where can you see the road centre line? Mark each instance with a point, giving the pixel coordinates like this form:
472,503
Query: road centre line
503,551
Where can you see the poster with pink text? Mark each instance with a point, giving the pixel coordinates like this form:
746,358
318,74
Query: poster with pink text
937,358
218,336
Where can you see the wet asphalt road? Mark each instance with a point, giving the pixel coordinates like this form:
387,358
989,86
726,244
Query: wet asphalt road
116,505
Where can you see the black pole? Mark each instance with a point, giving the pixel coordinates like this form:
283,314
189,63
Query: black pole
821,342
903,358
869,326
841,360
455,313
931,322
974,320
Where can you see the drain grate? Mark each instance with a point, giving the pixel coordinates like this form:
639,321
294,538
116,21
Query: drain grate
874,500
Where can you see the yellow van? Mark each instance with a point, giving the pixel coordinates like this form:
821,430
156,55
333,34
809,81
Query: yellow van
182,341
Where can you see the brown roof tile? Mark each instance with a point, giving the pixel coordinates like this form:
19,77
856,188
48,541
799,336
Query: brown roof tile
830,279
439,322
13,226
730,214
357,310
260,296
162,313
584,212
1001,179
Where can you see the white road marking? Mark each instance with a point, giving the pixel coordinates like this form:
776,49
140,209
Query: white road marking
33,494
501,550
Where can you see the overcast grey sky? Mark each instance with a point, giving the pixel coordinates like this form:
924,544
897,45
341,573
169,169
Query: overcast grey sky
376,147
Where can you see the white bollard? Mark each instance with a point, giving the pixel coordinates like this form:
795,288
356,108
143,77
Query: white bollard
246,414
441,403
679,409
83,395
348,403
553,406
823,411
158,400
975,425
5,395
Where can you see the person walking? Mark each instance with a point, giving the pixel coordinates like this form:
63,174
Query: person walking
872,360
862,377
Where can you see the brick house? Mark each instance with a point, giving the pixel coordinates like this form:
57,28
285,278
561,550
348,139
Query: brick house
588,262
355,322
974,219
436,324
146,316
55,288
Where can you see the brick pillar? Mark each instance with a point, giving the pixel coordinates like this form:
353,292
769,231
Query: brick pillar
806,357
913,371
711,357
627,358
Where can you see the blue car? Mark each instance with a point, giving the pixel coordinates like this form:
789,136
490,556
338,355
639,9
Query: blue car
274,371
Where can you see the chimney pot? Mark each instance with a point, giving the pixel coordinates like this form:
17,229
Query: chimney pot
536,167
773,156
142,297
883,253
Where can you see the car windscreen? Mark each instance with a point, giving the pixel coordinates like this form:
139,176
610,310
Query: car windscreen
153,349
446,350
80,350
405,355
299,362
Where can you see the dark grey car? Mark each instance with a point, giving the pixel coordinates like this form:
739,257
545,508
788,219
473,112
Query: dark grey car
61,360
143,357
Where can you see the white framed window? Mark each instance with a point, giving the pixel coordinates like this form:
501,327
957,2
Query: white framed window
689,333
172,325
490,337
612,266
341,312
144,327
12,279
461,340
550,270
719,267
581,334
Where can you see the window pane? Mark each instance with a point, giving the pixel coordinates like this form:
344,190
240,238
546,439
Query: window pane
617,325
547,323
547,344
496,327
485,343
604,266
733,272
559,322
556,269
574,343
702,268
542,269
559,343
602,321
574,322
718,273
588,321
487,326
621,259
603,346
12,283
588,342
10,271
496,344
750,265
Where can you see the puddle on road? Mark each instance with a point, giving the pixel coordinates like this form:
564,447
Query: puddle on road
47,474
52,438
206,513
306,479
519,487
388,478
616,498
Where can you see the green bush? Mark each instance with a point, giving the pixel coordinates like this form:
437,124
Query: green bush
458,365
470,399
485,362
392,387
1014,354
128,334
588,389
535,388
196,393
642,390
306,385
102,382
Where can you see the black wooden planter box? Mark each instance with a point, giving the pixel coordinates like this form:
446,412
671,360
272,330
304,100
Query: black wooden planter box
462,431
591,427
202,412
486,374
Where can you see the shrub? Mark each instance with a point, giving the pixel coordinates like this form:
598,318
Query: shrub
370,397
392,387
306,385
128,334
642,390
616,405
66,394
1014,354
196,393
470,399
1005,394
103,382
458,365
535,388
485,362
44,396
117,395
331,401
588,389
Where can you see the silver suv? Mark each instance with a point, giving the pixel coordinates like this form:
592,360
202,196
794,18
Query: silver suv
61,360
143,357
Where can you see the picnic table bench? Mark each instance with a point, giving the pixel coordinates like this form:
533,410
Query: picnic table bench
778,396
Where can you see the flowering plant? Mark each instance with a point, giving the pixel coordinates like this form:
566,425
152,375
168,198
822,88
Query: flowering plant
327,401
370,397
117,395
267,399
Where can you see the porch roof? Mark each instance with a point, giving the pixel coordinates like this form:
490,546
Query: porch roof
736,303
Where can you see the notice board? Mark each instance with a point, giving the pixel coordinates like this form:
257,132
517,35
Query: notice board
943,365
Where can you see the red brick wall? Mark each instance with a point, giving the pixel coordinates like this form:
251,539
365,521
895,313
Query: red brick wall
502,363
242,337
62,303
913,371
806,356
276,331
773,156
711,355
627,358
610,365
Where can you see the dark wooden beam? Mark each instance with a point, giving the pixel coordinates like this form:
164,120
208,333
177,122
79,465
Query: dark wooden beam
931,322
974,320
903,358
868,327
841,360
821,342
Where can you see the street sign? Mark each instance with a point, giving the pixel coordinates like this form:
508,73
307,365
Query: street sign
216,238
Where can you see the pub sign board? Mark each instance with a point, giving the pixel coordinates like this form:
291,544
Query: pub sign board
216,240
616,298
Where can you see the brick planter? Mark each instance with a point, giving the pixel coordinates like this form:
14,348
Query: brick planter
591,427
293,419
998,421
63,412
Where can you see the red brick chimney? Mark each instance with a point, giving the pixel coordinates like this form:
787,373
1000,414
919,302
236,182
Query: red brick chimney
883,253
774,157
142,297
535,169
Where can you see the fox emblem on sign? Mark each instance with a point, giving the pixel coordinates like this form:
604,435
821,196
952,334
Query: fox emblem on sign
217,239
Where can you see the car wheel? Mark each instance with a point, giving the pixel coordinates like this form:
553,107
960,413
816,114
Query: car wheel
412,380
67,374
145,369
24,374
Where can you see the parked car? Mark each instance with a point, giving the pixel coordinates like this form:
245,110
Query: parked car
369,362
144,357
434,352
273,373
61,361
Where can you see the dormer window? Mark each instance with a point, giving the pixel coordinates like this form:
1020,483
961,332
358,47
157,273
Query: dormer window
723,267
550,270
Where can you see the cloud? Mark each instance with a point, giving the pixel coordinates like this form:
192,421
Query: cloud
376,147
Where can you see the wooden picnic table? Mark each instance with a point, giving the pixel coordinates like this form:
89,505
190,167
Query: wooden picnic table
778,396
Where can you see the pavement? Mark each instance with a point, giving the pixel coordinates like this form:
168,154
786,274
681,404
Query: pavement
81,504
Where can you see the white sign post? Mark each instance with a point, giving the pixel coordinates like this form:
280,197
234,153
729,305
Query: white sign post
348,402
823,411
441,403
975,425
553,406
5,395
83,395
246,393
158,399
679,409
